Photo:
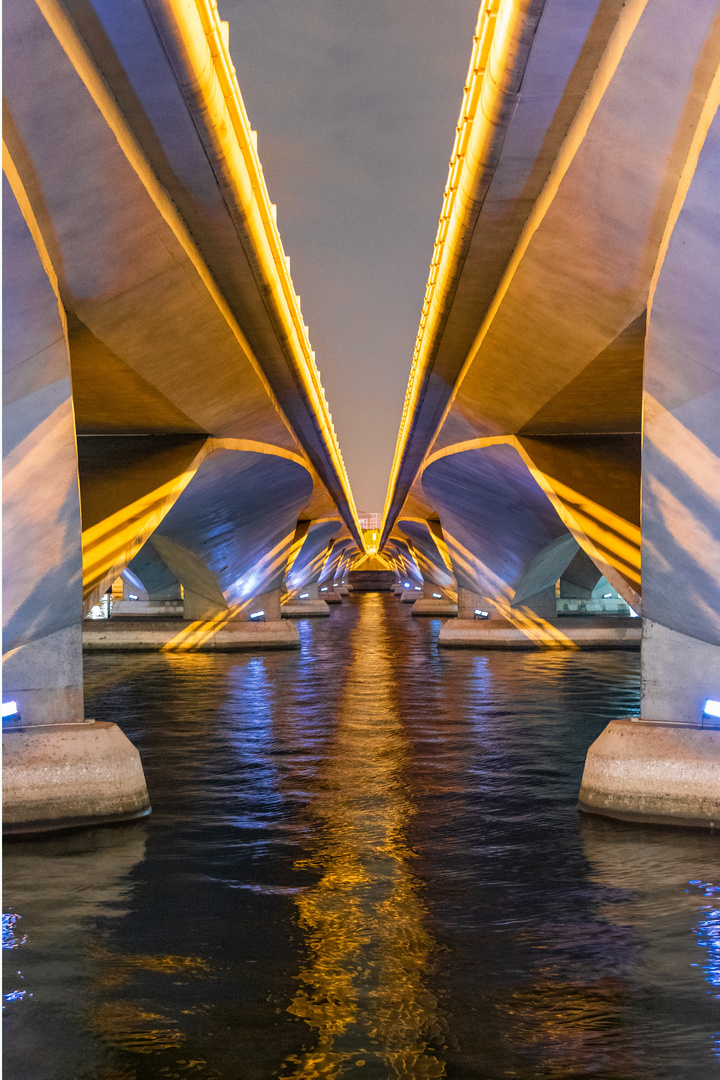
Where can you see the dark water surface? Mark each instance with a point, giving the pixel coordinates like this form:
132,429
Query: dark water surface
364,859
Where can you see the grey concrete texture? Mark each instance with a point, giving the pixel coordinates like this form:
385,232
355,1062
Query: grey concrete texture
42,554
154,609
128,479
67,775
174,291
181,635
568,44
586,271
304,609
679,674
156,577
681,433
435,608
317,547
426,552
566,633
576,301
661,773
546,569
125,271
238,508
409,596
496,519
45,678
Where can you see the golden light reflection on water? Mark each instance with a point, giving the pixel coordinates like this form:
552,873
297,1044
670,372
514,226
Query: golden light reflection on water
362,987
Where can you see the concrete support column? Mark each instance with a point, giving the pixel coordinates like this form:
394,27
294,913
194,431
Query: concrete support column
267,602
415,592
469,602
149,589
666,766
305,602
203,597
60,769
542,604
199,607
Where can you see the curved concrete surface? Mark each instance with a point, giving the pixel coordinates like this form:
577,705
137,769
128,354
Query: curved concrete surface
68,775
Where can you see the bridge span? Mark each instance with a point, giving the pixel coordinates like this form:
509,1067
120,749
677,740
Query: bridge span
164,417
559,443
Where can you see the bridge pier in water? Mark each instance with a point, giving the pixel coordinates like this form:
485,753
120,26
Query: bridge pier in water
162,401
59,768
666,767
565,383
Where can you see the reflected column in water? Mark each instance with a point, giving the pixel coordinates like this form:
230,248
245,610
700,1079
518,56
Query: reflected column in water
56,887
670,884
363,985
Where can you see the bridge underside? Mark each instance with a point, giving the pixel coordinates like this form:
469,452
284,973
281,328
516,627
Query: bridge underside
164,418
560,430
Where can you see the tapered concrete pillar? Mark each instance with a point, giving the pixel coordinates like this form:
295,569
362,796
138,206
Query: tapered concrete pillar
303,576
305,602
469,602
60,769
149,588
666,766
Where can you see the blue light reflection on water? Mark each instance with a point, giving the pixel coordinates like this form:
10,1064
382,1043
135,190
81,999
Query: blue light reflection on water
707,932
554,947
12,940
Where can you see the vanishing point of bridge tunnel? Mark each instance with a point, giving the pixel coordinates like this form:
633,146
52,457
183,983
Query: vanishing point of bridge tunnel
297,789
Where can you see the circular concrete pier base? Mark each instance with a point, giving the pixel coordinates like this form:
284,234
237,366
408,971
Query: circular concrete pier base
667,774
69,775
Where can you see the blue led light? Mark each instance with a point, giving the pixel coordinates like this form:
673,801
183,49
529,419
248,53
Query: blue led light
437,596
712,708
132,596
406,585
304,595
132,579
324,588
481,614
417,588
9,708
257,614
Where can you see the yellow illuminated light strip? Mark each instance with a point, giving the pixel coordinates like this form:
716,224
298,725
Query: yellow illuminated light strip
533,626
110,544
197,633
118,537
203,43
443,247
624,29
611,541
266,234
